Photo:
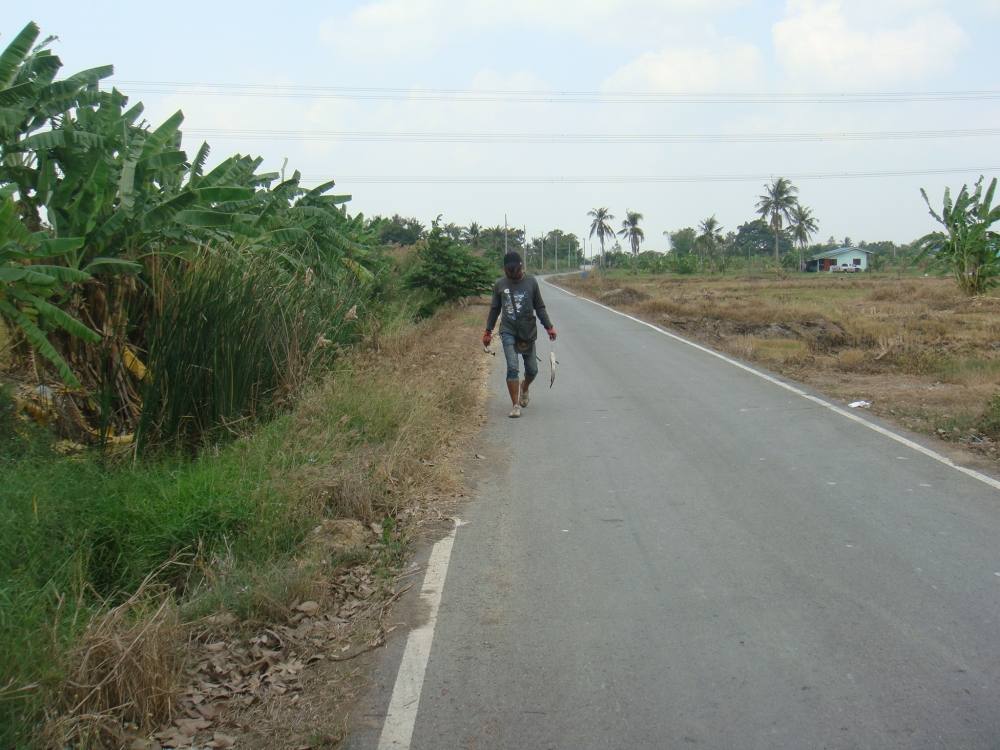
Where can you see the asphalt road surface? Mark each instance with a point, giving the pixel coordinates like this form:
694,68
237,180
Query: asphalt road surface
676,553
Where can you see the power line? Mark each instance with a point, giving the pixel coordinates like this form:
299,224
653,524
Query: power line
547,96
582,138
638,179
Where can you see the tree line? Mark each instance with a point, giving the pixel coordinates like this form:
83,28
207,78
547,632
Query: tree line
783,219
555,248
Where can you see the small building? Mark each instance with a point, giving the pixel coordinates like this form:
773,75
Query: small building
840,260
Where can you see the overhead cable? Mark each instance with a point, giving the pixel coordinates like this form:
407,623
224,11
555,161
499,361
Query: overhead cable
196,88
333,136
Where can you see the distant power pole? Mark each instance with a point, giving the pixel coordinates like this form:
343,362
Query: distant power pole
557,253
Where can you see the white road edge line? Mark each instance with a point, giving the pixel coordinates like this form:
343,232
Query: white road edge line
397,731
985,479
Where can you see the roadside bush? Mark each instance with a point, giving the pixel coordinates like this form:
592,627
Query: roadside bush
448,271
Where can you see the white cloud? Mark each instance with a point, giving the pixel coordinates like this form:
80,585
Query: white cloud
818,43
401,28
726,66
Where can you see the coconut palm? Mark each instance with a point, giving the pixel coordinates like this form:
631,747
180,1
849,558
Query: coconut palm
775,206
630,230
601,227
804,225
711,235
473,234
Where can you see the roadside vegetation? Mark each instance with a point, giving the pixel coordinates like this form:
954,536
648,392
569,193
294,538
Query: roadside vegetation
201,366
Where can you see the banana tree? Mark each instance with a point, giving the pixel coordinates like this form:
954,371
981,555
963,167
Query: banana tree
968,247
30,279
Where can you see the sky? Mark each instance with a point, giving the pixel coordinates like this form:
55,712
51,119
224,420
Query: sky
692,89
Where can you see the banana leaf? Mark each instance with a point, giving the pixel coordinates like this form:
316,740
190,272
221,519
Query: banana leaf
16,52
38,340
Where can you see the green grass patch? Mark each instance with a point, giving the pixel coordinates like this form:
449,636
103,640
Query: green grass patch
76,534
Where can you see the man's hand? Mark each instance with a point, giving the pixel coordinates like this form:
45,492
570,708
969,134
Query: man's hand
552,333
487,338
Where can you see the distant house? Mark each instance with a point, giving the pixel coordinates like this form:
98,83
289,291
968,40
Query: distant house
841,259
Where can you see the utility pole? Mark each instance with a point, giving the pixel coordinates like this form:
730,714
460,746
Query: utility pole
557,253
543,253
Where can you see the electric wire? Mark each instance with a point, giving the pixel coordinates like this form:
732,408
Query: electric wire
351,136
362,93
639,179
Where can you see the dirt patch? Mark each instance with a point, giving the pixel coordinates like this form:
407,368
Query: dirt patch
922,354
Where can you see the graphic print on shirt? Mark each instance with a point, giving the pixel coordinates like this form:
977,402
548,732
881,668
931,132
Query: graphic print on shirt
513,303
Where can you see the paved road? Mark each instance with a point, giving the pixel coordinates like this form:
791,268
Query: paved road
679,554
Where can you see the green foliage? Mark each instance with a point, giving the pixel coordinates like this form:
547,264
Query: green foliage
756,238
9,439
30,283
397,230
496,241
651,261
448,270
968,248
88,532
120,198
683,241
238,334
684,264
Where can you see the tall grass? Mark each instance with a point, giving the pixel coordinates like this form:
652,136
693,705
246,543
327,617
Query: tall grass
238,333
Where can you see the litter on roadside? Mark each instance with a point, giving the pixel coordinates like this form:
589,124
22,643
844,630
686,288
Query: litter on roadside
860,404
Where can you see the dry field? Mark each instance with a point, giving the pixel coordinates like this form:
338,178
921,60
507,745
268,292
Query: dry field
925,356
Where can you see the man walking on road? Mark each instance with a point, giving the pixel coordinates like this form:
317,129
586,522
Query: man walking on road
516,301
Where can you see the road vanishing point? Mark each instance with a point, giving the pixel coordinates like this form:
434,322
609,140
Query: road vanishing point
672,550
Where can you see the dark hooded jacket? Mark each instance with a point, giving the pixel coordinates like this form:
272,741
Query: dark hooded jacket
516,299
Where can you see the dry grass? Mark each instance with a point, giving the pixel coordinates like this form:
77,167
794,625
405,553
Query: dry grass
857,337
124,670
388,418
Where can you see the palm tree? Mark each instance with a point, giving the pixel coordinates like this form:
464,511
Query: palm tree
711,234
775,206
630,230
601,227
473,234
804,226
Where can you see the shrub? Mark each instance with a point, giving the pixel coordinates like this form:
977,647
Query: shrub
448,270
684,264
